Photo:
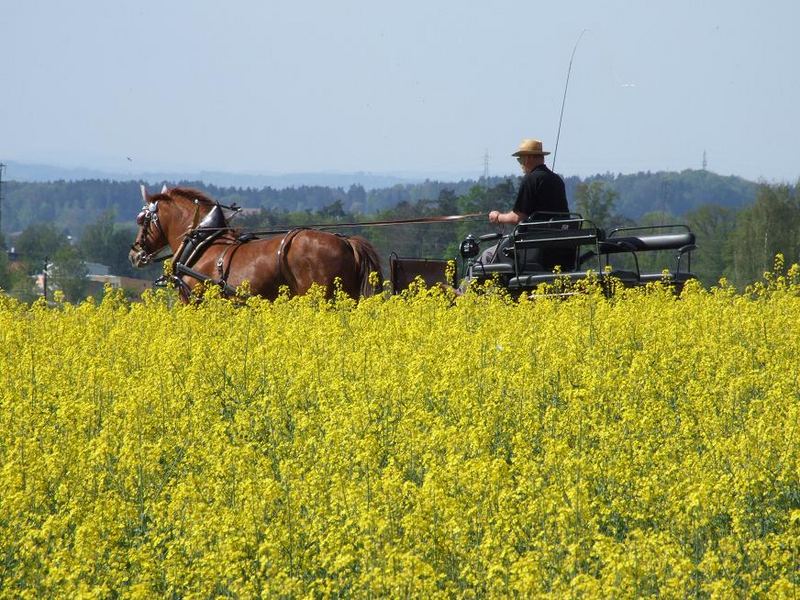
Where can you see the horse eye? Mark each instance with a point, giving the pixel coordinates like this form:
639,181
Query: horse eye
140,218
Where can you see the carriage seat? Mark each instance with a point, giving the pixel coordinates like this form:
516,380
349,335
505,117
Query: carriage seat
683,242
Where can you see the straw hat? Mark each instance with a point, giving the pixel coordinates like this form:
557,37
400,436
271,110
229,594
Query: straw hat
533,147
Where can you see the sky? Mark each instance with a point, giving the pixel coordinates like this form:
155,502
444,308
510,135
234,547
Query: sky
414,87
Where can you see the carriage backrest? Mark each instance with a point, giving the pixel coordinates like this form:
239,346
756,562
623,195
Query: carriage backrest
556,241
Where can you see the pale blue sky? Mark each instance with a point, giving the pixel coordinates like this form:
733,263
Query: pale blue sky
414,86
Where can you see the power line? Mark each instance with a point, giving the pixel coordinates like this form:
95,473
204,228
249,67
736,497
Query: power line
2,167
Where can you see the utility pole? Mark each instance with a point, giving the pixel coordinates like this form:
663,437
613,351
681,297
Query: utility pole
664,196
486,168
705,162
44,278
2,166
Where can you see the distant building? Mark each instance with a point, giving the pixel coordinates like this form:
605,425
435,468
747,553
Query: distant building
131,284
96,269
99,276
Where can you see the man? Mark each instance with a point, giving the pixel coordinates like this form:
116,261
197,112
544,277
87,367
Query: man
541,190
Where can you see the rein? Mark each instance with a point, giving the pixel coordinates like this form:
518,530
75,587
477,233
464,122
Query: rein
323,226
246,233
193,245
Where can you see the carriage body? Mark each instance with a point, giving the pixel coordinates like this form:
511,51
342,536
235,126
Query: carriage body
564,248
571,248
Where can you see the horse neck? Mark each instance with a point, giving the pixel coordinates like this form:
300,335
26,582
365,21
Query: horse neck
179,221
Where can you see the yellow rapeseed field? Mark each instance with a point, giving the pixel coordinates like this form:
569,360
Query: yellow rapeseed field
414,446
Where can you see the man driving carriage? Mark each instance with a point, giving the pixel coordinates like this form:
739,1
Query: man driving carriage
541,191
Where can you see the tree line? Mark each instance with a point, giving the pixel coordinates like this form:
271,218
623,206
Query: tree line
72,223
72,205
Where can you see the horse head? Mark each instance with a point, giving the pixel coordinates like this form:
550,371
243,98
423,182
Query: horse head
163,220
150,238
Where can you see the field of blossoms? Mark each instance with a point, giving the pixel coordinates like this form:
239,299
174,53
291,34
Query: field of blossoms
415,446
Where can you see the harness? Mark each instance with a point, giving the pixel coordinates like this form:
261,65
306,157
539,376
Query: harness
283,248
197,240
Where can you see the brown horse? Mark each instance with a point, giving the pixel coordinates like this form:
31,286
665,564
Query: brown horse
206,248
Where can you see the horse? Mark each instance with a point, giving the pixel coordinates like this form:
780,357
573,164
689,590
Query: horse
206,249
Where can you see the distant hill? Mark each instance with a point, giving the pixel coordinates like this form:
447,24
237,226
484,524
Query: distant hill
73,203
639,193
37,173
671,192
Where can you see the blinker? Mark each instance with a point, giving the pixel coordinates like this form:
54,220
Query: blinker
150,211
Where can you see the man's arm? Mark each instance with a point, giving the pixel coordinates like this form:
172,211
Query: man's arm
512,218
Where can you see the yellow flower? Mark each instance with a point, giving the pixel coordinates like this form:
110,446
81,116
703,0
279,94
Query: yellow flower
420,445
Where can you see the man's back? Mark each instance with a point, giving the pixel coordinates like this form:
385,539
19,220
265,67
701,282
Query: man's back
541,190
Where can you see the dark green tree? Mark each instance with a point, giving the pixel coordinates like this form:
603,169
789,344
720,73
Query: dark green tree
38,242
595,201
68,273
712,225
5,272
21,286
356,199
107,243
333,211
448,202
769,226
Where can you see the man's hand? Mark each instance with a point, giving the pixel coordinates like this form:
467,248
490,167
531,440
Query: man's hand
511,218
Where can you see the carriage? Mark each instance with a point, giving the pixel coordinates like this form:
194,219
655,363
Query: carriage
548,248
560,249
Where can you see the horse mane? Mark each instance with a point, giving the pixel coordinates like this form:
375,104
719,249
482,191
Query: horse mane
190,194
196,197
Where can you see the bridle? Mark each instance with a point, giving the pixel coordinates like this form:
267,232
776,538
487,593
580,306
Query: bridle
145,219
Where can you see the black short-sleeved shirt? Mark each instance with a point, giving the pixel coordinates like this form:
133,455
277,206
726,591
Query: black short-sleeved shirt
541,190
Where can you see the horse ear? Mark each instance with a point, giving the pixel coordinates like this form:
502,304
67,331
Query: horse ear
164,189
144,193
